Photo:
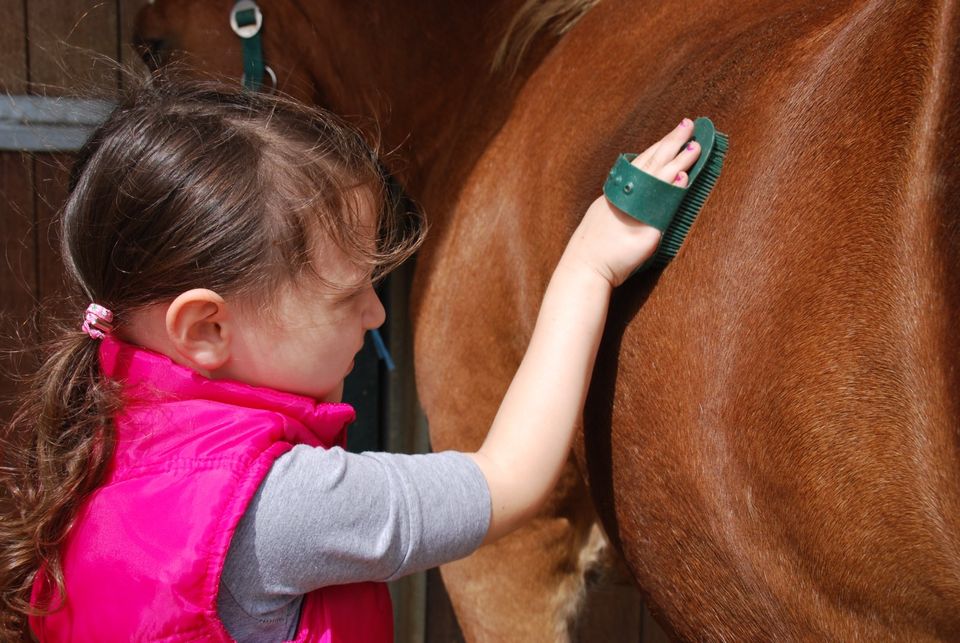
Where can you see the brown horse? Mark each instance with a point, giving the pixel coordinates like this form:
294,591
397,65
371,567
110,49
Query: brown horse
772,439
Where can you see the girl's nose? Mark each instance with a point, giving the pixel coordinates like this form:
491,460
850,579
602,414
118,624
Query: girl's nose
373,314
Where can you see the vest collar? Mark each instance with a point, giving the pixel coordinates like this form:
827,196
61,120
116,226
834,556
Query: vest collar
148,375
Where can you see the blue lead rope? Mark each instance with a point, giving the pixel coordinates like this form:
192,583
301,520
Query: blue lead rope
382,351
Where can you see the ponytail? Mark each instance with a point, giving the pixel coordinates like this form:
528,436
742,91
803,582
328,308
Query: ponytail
54,453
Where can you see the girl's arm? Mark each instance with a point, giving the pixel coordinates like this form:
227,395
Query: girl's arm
531,435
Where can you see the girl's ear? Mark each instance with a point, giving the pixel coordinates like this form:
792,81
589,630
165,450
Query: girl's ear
199,327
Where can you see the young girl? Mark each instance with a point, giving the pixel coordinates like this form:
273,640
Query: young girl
176,472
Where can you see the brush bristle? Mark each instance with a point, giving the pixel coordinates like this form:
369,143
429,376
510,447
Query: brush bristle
692,203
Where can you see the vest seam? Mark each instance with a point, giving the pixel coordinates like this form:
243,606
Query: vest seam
254,617
246,482
230,463
193,632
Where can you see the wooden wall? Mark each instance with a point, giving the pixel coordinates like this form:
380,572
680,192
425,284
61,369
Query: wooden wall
52,48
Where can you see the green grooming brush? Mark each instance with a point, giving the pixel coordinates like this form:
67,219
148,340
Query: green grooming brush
666,207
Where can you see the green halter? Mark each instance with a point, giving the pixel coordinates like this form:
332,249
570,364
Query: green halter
246,21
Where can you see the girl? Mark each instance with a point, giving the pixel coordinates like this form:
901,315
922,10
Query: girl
176,472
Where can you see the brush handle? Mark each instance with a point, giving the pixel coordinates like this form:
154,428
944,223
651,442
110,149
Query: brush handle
705,134
645,197
664,206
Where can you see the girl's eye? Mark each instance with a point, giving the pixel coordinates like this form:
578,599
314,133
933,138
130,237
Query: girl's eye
350,296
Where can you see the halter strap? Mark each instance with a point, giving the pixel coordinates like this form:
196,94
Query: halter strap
246,20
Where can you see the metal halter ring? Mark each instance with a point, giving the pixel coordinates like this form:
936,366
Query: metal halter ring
246,31
270,73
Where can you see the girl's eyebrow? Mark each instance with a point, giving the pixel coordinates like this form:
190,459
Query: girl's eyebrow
344,292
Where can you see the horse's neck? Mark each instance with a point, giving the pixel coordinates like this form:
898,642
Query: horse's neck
430,65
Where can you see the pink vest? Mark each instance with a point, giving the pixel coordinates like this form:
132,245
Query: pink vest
143,560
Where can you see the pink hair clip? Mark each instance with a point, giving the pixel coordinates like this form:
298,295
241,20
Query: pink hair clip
96,321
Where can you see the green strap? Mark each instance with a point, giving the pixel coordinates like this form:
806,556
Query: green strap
647,198
253,67
642,196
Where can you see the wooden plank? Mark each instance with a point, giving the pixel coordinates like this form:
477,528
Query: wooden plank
652,632
49,124
406,433
406,425
442,626
13,47
18,279
51,172
72,50
72,46
611,607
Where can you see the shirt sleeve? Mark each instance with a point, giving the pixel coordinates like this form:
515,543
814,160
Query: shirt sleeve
328,517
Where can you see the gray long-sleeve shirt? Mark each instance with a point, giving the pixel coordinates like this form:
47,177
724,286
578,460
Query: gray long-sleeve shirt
328,517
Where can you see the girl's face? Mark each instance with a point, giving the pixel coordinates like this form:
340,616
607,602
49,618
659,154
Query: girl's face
305,340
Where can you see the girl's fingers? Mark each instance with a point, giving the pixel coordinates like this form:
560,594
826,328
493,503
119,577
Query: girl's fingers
682,161
669,146
653,159
670,157
643,160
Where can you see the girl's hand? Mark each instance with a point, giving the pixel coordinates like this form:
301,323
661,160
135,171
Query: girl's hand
613,243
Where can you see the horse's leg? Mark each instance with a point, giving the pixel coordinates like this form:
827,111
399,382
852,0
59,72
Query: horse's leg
536,584
528,586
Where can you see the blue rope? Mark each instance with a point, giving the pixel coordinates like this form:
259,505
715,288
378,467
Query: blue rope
382,351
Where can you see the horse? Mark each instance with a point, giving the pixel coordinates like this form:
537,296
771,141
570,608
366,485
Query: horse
771,437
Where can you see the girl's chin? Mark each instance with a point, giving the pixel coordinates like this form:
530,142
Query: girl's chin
334,396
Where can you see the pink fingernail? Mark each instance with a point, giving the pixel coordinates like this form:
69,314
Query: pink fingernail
690,146
679,178
685,122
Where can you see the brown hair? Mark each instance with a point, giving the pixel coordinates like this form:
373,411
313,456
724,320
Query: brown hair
185,185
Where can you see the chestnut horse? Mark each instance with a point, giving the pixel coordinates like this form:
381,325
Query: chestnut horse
772,438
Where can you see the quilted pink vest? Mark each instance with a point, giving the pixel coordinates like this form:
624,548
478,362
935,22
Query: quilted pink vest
143,560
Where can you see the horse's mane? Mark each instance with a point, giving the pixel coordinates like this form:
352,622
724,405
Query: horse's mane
530,19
